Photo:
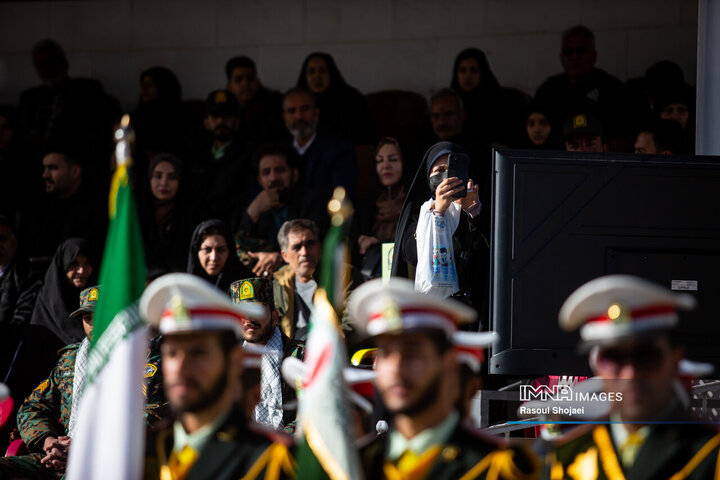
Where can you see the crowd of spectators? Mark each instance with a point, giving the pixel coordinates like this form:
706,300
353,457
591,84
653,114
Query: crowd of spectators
217,179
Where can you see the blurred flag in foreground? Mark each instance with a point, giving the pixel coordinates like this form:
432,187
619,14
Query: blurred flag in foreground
109,435
326,446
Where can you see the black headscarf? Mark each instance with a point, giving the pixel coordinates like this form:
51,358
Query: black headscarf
233,269
166,243
488,83
343,109
58,298
418,194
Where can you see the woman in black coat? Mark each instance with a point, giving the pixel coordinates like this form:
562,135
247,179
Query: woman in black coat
167,216
343,109
471,245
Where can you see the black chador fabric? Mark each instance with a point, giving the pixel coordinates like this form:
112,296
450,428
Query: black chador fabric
58,298
233,269
343,109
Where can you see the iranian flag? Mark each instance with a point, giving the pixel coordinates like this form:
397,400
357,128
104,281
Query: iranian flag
109,436
326,447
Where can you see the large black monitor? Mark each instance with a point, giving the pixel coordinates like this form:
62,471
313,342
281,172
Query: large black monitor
560,219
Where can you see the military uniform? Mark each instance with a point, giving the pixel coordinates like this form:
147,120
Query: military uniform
674,452
238,449
230,447
466,455
156,405
621,311
46,411
449,449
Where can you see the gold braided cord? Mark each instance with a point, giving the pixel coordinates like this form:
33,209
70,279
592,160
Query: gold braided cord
699,457
608,458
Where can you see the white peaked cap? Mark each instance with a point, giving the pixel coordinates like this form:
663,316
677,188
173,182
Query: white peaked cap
616,307
185,303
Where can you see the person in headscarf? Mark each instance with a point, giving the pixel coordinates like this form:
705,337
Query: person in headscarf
343,109
470,239
157,119
493,113
377,217
212,255
540,134
167,216
679,105
68,274
51,328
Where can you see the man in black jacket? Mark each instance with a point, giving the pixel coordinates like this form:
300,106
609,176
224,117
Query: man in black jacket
283,197
260,108
18,288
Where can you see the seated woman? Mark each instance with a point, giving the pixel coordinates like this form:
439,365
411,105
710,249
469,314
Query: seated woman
343,109
212,255
493,113
157,119
71,270
431,195
377,218
540,135
167,216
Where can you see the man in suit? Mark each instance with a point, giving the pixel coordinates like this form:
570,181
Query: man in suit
326,162
628,324
274,393
418,382
202,366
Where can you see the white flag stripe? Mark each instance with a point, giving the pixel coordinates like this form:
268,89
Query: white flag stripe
110,433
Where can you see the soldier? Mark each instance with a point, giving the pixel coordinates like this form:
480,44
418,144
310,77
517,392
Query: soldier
274,393
629,326
46,419
417,380
202,366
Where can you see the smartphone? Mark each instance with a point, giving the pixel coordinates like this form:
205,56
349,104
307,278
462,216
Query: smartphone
458,166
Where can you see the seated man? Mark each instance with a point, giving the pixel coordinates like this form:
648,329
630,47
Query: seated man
584,133
418,382
664,137
260,108
19,287
46,419
326,162
629,327
202,367
274,393
296,284
282,198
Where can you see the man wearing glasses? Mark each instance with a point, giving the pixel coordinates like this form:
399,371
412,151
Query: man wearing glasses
628,325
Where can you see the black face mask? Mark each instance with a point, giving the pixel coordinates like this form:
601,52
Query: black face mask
436,180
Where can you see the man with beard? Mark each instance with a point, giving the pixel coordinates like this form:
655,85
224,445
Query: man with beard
326,162
274,393
418,382
629,326
282,198
202,366
221,172
69,208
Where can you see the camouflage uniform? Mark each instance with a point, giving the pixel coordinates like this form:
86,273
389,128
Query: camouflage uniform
156,405
46,411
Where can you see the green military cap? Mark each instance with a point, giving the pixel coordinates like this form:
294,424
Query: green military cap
88,299
254,289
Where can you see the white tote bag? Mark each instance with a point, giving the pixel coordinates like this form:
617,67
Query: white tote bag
436,272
